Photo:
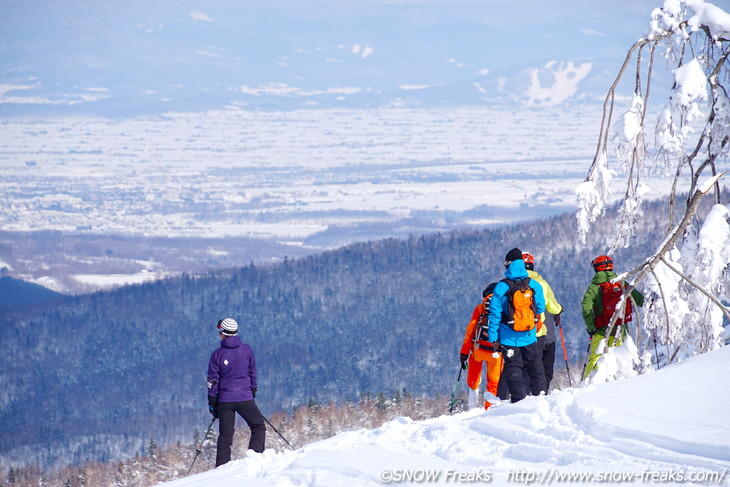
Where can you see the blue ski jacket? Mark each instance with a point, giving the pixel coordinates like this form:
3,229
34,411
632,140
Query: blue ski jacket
500,332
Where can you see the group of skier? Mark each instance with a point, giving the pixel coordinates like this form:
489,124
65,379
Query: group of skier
512,330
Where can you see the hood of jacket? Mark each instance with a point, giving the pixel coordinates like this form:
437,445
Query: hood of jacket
516,270
231,342
603,276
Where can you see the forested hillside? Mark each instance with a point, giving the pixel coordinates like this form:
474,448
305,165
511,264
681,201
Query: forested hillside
14,292
98,376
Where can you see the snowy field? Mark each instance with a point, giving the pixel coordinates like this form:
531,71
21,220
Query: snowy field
290,175
664,428
302,180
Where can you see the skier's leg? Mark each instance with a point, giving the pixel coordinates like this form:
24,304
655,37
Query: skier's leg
548,363
502,387
592,355
473,380
473,373
255,421
531,357
494,370
513,372
226,428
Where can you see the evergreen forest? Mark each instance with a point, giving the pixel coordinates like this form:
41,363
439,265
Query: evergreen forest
95,377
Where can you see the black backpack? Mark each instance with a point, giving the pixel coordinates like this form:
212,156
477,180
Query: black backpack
481,337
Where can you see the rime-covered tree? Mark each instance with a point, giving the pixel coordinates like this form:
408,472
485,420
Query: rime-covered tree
686,279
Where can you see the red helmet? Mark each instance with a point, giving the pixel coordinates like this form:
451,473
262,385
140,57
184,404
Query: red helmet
602,263
529,260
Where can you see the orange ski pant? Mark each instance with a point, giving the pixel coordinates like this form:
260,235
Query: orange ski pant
474,372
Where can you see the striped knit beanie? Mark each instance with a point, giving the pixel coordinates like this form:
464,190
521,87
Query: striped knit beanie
228,327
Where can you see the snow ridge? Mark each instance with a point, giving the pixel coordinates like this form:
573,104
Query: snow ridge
634,431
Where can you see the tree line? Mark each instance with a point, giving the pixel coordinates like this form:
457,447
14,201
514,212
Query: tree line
117,367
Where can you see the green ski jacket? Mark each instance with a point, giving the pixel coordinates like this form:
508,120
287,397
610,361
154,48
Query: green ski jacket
593,304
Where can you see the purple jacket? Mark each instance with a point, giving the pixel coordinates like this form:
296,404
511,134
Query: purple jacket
232,371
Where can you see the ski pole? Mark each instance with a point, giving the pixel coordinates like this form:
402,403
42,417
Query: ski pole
585,362
277,432
565,353
200,447
452,402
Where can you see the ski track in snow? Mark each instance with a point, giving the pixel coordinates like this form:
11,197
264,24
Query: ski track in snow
666,423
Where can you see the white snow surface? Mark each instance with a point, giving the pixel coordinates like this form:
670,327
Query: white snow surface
710,15
705,13
666,427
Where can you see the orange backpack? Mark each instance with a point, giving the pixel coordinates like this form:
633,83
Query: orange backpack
520,313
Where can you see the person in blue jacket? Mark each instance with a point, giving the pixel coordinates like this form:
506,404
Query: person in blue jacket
519,348
231,389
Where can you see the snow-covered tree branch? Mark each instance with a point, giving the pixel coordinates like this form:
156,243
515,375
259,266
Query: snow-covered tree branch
686,280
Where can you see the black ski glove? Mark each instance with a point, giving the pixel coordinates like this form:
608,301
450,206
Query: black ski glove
253,391
557,320
497,346
212,401
463,357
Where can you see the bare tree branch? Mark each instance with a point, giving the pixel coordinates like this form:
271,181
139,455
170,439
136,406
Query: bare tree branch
666,311
701,289
690,155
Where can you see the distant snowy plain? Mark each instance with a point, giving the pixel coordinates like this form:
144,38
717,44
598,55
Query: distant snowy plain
291,176
311,179
662,428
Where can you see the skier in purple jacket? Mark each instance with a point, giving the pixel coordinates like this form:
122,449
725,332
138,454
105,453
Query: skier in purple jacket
231,390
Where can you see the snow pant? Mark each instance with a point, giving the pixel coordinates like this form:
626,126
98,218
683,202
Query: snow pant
227,426
474,371
503,388
548,363
593,355
525,374
517,360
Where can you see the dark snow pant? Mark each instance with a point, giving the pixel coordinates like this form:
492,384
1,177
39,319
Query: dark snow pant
227,426
517,360
503,388
525,373
548,363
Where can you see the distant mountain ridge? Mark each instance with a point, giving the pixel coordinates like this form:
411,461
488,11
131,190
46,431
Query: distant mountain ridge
124,59
118,368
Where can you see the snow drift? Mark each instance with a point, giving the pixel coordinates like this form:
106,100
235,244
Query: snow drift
666,427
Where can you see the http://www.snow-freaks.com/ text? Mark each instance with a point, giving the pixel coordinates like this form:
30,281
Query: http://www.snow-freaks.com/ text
552,476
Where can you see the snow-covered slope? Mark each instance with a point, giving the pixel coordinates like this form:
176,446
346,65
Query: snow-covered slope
668,427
